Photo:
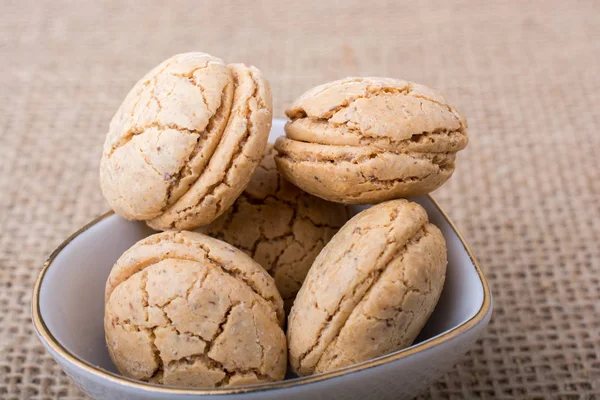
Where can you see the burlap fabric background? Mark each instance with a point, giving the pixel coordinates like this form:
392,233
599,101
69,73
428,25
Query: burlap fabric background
526,193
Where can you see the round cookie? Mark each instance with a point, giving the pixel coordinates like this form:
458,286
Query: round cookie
367,140
184,309
370,291
185,141
280,226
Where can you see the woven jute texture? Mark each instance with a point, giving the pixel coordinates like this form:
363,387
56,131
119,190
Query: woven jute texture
526,192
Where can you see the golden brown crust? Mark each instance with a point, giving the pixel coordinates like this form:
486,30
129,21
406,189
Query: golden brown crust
409,132
280,226
189,310
370,291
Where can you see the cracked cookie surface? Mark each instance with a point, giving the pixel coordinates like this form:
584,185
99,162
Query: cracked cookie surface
370,291
366,140
280,226
185,141
185,309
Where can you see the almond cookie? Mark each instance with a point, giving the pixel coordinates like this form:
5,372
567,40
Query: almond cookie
184,309
366,140
370,291
185,141
279,225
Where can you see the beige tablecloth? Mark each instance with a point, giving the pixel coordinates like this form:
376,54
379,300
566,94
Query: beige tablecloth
526,193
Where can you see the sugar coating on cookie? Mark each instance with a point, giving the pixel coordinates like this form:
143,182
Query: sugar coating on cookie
280,226
185,141
184,309
365,140
370,291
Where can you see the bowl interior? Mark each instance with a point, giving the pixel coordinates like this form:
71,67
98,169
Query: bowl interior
71,295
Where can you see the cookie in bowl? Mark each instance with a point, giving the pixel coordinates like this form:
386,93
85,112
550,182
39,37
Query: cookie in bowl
70,293
370,291
185,309
367,140
279,225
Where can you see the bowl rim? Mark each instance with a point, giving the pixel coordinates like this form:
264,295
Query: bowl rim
52,343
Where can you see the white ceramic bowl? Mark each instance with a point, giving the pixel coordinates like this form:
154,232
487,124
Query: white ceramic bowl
68,307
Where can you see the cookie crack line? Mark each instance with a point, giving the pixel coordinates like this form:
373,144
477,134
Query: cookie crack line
374,275
262,238
179,239
197,146
148,163
290,228
220,328
259,201
190,75
258,342
261,232
151,335
370,139
400,146
338,83
388,183
139,130
227,223
145,85
199,281
236,274
387,320
151,331
421,156
277,267
209,362
240,148
371,91
366,139
176,179
319,224
134,131
275,264
218,366
294,204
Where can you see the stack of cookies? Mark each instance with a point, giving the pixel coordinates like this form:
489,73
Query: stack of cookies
254,233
